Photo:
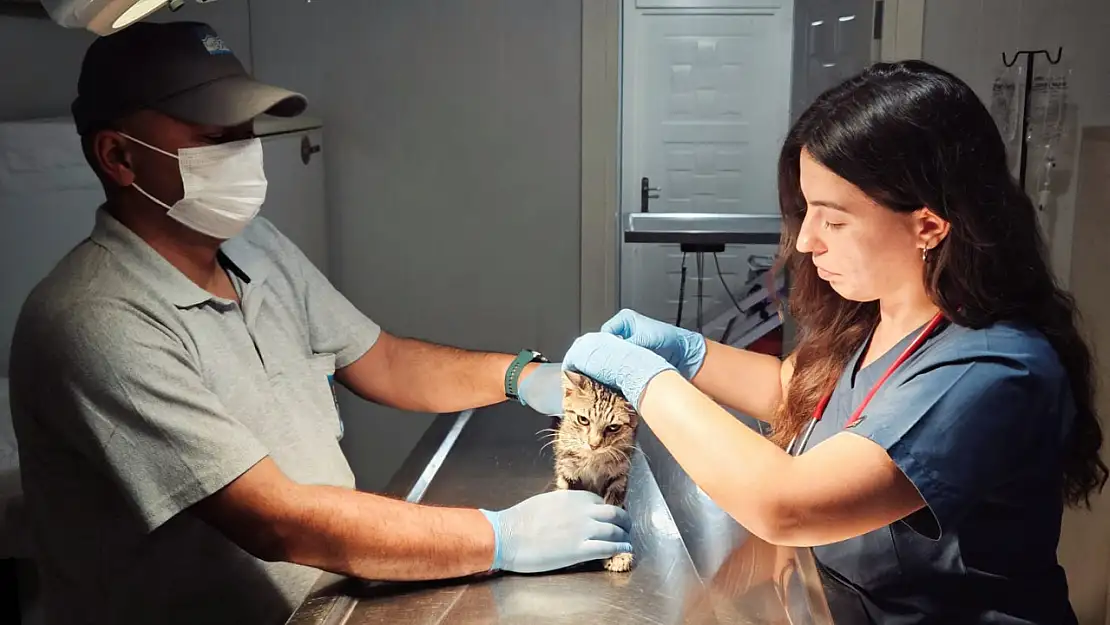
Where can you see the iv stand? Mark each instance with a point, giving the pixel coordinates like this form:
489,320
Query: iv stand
1030,56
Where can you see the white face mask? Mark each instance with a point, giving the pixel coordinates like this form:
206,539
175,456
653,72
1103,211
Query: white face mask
225,186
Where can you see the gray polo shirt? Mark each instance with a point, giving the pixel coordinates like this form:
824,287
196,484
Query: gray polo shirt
135,394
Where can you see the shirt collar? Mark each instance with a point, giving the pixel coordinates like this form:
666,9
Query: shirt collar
236,255
246,261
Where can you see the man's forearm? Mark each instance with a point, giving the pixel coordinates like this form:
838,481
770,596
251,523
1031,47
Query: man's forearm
448,379
371,537
424,377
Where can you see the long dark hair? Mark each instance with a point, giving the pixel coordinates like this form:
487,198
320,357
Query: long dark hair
911,135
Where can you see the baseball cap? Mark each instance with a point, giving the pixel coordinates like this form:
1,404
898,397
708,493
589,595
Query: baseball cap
181,69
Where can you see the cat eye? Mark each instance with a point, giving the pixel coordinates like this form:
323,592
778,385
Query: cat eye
613,429
583,420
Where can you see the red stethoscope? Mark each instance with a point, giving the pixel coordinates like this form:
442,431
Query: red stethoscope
795,447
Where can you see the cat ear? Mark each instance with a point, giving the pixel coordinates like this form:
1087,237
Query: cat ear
569,383
633,416
573,383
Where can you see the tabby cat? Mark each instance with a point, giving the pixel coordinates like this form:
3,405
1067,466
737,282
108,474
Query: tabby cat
593,445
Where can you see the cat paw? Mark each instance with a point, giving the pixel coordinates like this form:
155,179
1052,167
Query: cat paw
619,563
561,483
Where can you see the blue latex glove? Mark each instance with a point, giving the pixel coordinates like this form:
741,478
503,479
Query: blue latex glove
558,529
615,362
685,350
542,389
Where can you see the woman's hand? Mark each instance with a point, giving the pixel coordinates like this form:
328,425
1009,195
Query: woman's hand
615,362
683,349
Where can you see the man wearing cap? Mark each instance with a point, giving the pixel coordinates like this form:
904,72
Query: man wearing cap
169,380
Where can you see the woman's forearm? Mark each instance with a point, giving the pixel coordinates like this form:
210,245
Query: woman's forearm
794,501
743,380
734,465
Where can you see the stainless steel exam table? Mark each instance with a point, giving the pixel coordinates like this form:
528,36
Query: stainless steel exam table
694,564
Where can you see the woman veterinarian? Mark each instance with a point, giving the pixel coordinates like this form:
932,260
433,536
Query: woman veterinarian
937,412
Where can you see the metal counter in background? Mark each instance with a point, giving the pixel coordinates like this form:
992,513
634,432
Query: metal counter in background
694,564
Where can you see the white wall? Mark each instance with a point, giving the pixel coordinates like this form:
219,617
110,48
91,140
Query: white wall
42,60
1086,544
452,131
968,38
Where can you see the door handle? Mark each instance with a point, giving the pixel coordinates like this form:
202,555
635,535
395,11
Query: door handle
307,150
647,192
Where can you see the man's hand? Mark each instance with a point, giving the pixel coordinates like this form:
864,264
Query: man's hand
363,535
558,529
542,389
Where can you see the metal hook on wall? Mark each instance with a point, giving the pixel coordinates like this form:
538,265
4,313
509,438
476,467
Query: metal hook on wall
1032,54
1030,57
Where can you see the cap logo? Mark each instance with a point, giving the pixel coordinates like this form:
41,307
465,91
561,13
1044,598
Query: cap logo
215,45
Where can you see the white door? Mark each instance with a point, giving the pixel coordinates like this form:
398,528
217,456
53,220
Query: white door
295,191
706,103
709,90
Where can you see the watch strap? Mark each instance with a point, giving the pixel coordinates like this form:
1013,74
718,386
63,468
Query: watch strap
516,367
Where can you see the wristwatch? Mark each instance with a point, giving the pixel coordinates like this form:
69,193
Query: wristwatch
512,374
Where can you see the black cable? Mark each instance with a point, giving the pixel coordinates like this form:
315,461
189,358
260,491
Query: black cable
681,291
724,284
701,286
727,331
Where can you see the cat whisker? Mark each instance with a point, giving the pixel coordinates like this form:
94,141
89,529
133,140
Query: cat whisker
622,456
618,454
554,439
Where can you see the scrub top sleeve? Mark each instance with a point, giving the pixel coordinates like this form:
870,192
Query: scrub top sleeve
335,325
956,429
127,394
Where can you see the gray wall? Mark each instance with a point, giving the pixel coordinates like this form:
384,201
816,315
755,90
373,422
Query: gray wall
453,137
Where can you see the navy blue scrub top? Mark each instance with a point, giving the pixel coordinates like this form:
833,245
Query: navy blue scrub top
976,419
